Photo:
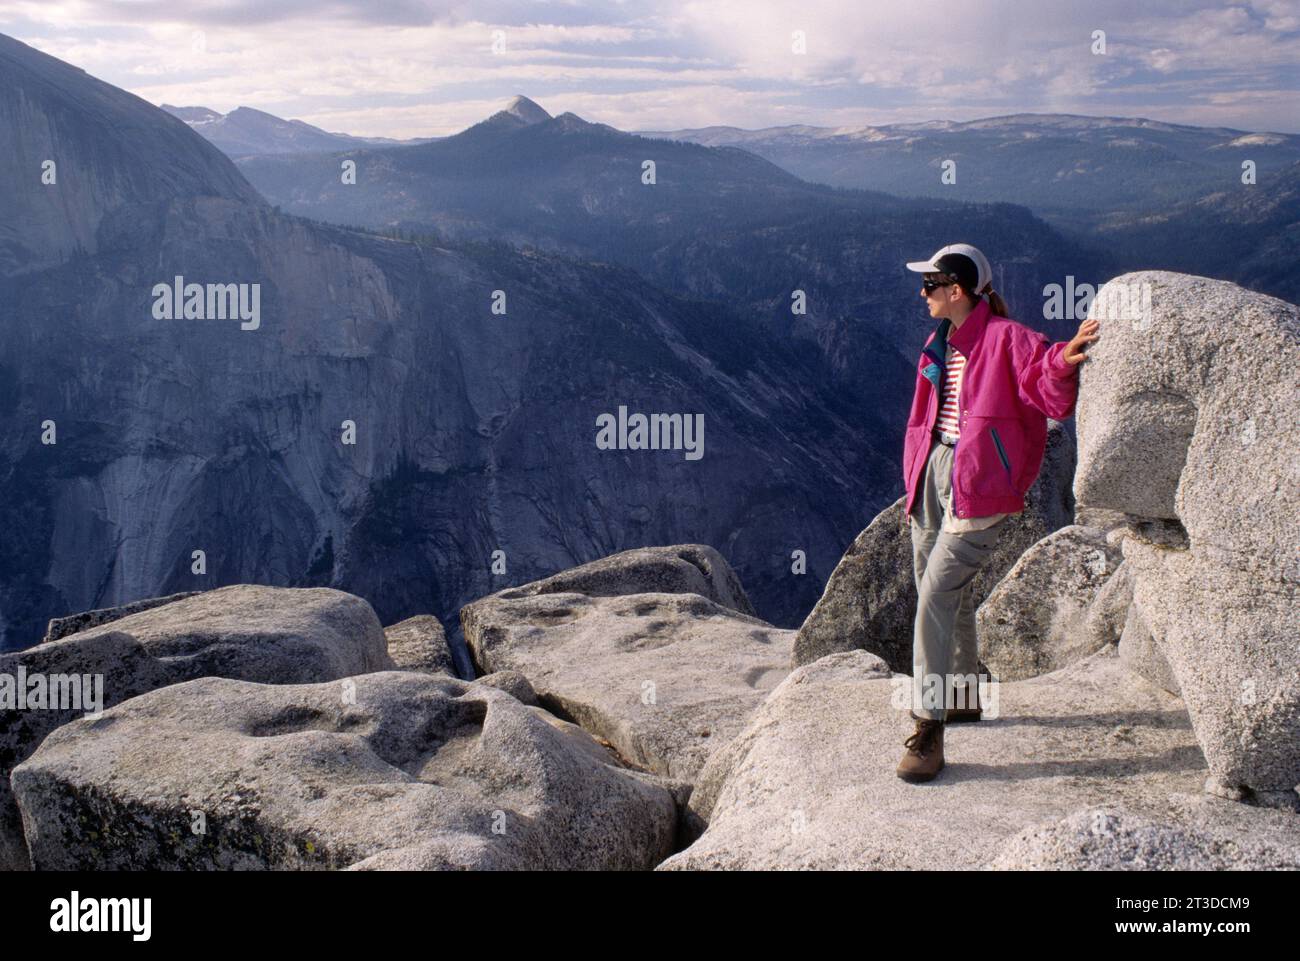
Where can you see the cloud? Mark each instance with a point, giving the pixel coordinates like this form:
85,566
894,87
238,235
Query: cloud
416,67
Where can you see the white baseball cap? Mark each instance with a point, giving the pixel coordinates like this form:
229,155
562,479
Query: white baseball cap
962,261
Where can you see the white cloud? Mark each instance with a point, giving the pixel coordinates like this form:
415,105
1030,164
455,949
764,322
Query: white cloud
416,67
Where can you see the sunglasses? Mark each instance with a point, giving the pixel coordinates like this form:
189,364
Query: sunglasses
930,286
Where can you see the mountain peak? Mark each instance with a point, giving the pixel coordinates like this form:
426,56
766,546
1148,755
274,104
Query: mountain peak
252,113
520,111
526,110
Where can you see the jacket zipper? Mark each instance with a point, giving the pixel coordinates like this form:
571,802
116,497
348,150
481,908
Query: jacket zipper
961,389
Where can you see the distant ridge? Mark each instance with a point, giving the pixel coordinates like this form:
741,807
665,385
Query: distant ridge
246,132
723,134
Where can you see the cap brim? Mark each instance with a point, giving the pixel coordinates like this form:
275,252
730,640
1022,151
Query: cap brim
924,267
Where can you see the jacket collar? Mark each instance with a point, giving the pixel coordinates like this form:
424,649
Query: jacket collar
968,334
963,340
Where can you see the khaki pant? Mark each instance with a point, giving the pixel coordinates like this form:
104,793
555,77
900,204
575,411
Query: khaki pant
945,565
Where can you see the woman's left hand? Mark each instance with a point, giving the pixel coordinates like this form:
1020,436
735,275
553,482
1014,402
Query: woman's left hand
1074,353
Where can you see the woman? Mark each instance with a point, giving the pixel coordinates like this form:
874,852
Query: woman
975,439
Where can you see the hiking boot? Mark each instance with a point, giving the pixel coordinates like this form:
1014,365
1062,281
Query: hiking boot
924,757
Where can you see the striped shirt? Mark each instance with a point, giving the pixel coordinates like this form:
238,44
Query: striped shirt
954,366
949,422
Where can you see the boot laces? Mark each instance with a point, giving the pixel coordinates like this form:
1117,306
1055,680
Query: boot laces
926,737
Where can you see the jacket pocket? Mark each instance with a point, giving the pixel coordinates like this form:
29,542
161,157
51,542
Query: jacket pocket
1002,456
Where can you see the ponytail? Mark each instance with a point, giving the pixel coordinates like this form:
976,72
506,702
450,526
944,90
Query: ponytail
996,304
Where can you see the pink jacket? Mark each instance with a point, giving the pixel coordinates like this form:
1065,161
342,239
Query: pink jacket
1012,383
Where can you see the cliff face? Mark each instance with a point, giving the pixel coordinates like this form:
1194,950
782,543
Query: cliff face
474,431
109,148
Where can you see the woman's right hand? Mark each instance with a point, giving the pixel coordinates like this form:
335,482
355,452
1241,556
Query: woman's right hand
1074,350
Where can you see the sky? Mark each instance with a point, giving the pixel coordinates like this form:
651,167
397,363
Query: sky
409,68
